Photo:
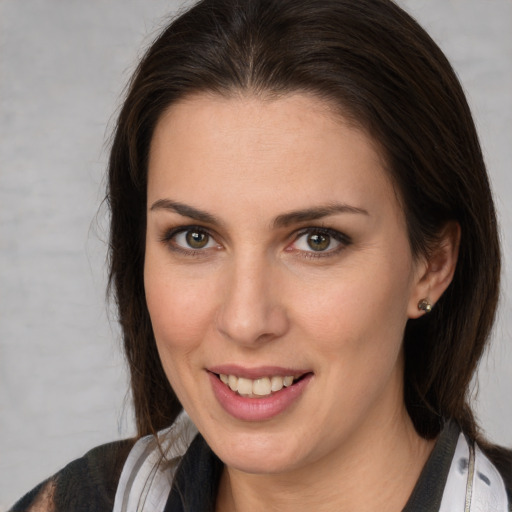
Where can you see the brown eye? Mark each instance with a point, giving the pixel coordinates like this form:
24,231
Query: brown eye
318,241
196,239
190,240
321,241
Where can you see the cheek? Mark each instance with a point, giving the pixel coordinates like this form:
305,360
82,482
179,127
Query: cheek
180,316
181,309
356,328
349,306
356,322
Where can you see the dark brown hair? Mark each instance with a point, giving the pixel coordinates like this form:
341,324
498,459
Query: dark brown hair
386,74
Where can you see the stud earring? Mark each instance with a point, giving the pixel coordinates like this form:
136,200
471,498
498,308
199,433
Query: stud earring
425,305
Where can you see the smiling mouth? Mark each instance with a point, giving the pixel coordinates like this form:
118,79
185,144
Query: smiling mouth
261,387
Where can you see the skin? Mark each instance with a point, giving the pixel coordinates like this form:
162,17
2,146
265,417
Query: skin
257,294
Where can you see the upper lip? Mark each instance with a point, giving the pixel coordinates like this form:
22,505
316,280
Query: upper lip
257,371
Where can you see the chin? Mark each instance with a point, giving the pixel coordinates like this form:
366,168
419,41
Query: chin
258,464
258,454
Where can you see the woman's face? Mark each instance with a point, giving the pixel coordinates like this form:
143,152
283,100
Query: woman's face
276,249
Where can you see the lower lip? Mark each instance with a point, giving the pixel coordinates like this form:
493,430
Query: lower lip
257,409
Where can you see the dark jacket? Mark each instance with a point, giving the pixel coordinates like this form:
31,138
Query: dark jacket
87,484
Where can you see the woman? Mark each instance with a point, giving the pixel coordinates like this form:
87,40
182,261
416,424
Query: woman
305,258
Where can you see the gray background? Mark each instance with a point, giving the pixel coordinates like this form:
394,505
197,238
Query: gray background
63,65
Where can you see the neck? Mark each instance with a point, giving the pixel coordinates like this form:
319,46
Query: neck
377,472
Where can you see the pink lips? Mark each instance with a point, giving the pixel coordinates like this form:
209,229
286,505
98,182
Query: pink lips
256,409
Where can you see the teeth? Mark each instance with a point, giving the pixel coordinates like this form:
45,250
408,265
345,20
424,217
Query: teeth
233,383
276,383
244,386
288,381
263,386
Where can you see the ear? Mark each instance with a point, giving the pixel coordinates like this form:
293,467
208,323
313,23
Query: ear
435,272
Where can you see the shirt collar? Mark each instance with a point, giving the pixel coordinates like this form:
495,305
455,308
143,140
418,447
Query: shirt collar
196,481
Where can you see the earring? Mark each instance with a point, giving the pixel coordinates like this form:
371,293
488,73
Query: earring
425,305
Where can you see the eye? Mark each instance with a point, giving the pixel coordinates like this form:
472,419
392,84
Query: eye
190,239
315,240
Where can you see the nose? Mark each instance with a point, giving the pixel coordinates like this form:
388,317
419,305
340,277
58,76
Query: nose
251,312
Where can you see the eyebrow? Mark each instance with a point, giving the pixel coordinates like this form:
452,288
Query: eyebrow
185,210
315,213
284,220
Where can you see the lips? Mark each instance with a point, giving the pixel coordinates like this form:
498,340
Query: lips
257,394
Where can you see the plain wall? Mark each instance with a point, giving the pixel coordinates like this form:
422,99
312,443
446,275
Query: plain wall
63,65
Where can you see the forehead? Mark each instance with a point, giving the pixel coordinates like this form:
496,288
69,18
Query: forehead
288,150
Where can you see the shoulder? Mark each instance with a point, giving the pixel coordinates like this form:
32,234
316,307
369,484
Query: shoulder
86,484
501,458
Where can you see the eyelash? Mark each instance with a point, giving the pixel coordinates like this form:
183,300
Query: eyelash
338,236
343,240
169,237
